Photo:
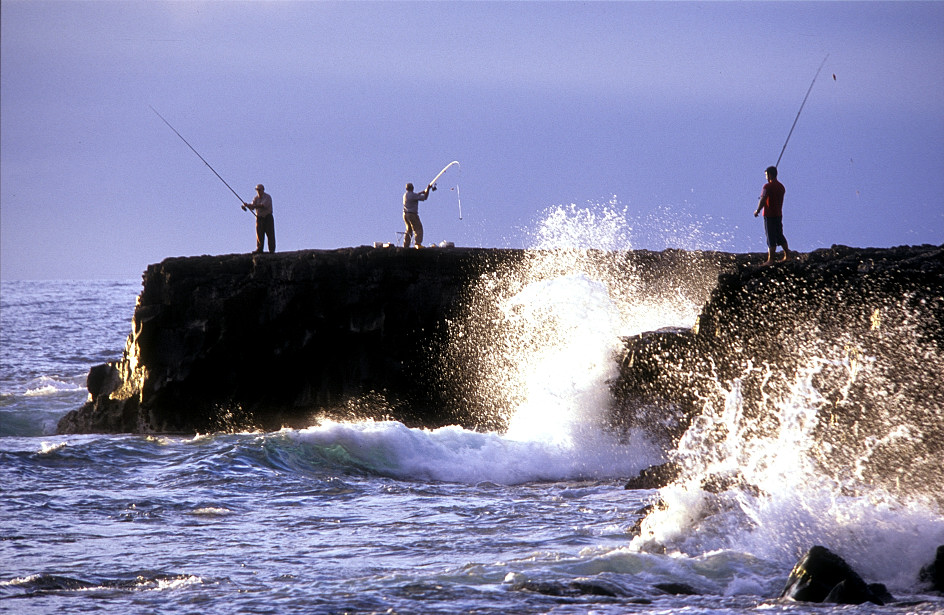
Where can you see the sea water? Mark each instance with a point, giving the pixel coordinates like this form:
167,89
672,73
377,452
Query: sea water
375,517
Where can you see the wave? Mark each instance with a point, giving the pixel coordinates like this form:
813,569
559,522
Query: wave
454,454
771,492
52,385
40,584
535,352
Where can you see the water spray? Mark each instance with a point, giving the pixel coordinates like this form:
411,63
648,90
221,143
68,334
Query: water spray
801,108
241,201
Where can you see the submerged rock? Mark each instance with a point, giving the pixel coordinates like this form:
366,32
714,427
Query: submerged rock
677,589
823,576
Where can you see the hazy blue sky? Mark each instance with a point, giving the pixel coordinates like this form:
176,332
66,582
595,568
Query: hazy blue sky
669,111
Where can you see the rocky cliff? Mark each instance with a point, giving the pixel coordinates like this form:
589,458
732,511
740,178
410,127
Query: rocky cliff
244,341
264,341
856,334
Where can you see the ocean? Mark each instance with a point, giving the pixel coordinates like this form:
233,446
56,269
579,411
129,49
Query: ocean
374,517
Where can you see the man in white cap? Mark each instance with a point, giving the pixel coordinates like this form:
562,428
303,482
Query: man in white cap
265,222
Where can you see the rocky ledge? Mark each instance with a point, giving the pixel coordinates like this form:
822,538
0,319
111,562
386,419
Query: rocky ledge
265,341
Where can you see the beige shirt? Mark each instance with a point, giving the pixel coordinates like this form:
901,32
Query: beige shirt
411,201
262,204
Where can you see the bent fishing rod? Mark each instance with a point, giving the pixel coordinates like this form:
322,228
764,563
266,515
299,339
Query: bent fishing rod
801,109
432,185
241,201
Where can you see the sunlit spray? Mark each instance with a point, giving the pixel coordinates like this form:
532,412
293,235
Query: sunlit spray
539,348
837,453
566,332
532,359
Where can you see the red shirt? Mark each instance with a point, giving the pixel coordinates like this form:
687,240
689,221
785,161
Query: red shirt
772,199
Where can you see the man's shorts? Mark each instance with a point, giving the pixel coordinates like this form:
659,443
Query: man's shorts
774,228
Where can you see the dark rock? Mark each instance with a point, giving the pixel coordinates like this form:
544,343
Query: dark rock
584,586
243,341
677,589
636,528
656,399
719,483
595,587
851,591
654,477
932,574
102,380
762,326
823,576
264,341
881,592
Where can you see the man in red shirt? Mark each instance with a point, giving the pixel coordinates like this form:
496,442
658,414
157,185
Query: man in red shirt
771,201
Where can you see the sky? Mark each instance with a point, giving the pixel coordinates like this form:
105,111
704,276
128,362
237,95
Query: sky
666,113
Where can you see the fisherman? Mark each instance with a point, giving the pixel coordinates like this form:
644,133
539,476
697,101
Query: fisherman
411,214
265,222
771,202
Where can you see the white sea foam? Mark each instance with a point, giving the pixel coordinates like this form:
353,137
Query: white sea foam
784,501
46,385
47,448
170,583
454,454
211,511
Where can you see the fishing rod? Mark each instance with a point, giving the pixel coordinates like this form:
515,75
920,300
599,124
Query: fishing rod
432,184
801,109
241,201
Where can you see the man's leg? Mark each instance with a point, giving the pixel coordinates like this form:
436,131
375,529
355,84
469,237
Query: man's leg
418,229
260,235
408,235
770,230
270,233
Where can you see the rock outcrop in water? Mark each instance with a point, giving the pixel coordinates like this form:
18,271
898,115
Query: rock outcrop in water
860,331
264,341
243,341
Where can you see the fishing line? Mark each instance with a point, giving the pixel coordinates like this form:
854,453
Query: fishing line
241,201
801,109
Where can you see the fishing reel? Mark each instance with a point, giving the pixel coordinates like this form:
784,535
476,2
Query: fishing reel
432,187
